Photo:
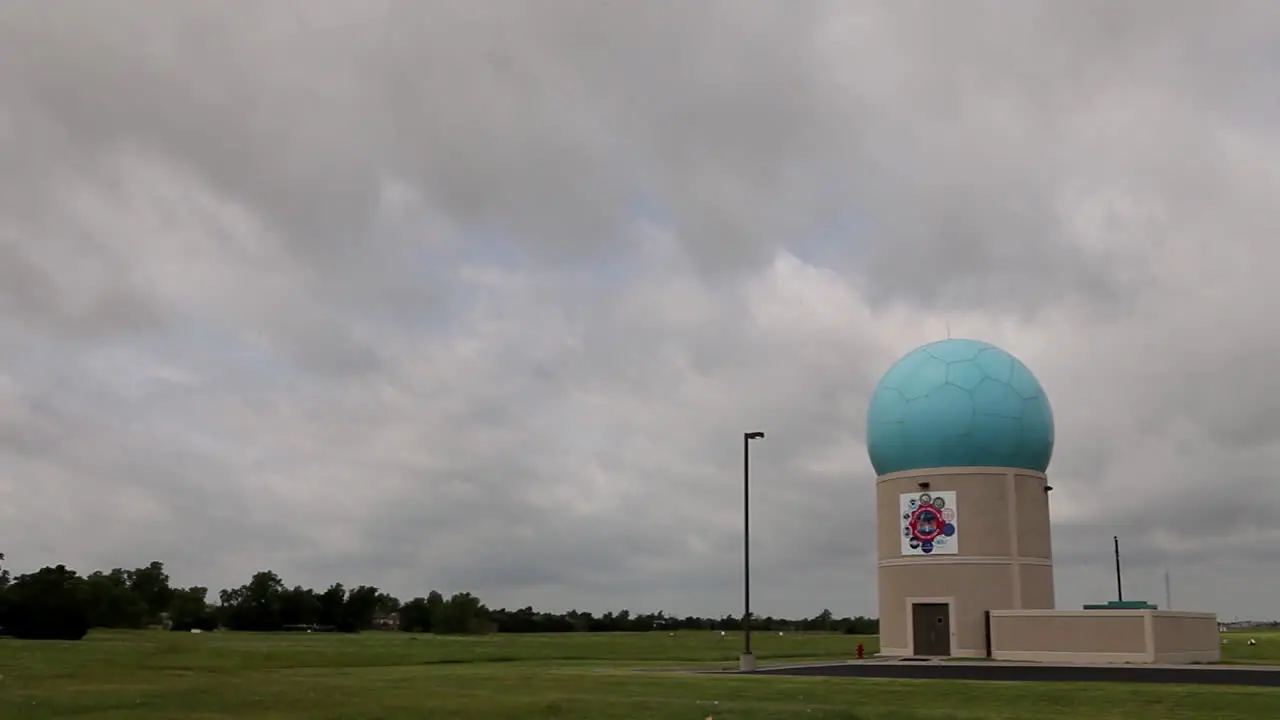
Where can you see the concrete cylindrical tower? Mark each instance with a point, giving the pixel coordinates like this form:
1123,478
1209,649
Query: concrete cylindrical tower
960,434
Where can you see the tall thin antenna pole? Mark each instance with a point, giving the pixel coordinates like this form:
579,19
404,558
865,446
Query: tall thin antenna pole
1119,585
1168,593
948,329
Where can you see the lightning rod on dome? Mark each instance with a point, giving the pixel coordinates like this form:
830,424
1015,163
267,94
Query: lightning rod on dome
948,322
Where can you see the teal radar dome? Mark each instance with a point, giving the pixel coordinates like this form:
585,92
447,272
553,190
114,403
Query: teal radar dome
959,403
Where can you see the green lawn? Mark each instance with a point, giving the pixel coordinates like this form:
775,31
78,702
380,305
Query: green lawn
1239,651
392,675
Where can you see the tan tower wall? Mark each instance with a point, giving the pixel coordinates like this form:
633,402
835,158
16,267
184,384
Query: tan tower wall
1003,560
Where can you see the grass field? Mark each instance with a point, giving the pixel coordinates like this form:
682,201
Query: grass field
393,675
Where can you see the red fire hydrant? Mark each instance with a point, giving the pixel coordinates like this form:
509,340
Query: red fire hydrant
859,651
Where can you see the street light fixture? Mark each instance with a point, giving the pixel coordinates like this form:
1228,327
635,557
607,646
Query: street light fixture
748,661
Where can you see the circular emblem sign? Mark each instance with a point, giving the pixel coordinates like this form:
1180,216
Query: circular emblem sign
928,523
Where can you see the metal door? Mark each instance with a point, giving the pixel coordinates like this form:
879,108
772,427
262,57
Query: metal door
931,629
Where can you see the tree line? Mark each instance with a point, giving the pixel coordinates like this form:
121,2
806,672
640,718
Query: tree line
57,602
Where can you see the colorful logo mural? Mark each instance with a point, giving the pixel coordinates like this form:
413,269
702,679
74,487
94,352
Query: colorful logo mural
929,523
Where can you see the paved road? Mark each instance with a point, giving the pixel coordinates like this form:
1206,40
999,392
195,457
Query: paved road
1194,675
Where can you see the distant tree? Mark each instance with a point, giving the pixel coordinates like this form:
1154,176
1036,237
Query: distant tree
460,614
56,602
415,617
332,604
418,615
821,621
860,626
299,606
256,605
358,609
189,610
386,605
112,602
729,623
434,602
151,585
581,621
49,604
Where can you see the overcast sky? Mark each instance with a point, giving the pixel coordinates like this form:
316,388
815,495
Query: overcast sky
481,295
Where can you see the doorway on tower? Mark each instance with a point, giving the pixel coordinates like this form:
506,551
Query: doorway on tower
931,629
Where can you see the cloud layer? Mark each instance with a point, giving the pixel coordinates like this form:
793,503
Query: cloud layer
428,295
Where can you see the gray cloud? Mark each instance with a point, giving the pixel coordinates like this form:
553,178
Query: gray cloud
424,294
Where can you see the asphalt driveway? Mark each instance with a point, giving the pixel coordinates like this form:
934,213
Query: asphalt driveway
1258,676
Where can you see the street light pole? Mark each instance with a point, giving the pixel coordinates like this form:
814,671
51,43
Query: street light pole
747,661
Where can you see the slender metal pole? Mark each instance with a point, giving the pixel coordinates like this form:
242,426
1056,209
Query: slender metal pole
746,543
747,661
1119,585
